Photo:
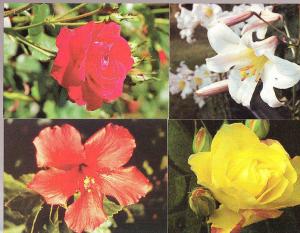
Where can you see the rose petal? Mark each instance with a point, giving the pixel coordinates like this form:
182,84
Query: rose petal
75,94
91,96
110,147
56,186
86,213
127,185
201,165
59,147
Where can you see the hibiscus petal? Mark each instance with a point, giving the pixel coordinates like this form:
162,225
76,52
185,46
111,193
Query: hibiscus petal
86,213
59,147
56,186
110,147
127,185
281,73
222,39
241,91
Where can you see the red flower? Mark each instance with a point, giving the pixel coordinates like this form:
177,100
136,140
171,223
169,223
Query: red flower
92,63
93,170
162,57
133,106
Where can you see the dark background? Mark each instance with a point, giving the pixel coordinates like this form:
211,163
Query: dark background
151,140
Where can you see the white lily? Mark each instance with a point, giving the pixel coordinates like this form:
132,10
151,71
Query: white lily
249,62
181,81
206,14
201,14
242,20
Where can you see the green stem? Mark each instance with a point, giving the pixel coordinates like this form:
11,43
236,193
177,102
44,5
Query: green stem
161,21
160,11
288,34
21,19
79,16
28,26
35,218
17,10
23,40
72,10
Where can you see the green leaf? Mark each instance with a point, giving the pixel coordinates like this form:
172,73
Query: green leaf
44,41
12,186
40,13
17,96
10,47
176,189
27,64
110,208
180,145
24,202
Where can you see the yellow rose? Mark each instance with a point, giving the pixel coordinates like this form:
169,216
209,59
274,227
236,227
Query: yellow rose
252,179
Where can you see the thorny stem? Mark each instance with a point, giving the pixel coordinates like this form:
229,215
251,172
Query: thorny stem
17,10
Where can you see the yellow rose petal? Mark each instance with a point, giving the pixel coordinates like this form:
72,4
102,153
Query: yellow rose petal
201,165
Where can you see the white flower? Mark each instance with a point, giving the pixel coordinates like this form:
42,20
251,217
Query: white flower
199,100
202,77
201,14
6,21
241,20
206,14
250,62
181,82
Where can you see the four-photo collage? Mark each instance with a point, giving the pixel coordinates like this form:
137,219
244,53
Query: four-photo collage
151,117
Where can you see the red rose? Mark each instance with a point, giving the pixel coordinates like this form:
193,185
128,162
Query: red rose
92,63
92,170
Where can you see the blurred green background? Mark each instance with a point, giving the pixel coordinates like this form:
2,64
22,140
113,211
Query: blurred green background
30,92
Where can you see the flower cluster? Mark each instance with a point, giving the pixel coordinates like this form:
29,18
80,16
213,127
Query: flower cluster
187,81
247,61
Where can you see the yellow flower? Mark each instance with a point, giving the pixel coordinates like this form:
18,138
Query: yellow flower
252,179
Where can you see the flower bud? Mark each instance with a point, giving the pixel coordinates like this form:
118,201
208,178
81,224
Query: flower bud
202,141
259,127
202,202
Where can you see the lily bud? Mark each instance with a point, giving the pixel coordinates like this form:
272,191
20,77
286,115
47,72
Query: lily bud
202,140
214,88
259,127
202,202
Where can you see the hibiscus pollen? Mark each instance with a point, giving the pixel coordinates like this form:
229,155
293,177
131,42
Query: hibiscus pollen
88,183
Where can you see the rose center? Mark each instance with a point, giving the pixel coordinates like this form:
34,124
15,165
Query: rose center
255,68
105,61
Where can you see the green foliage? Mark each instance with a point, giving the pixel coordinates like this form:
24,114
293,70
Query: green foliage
30,49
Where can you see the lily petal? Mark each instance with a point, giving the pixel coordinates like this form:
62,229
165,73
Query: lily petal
282,73
222,39
241,91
